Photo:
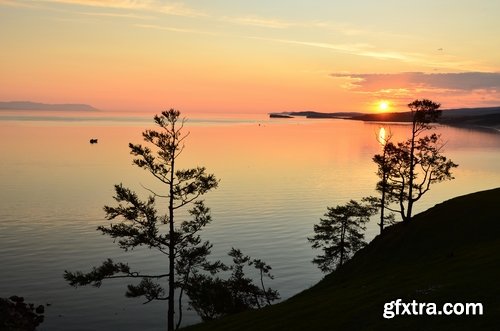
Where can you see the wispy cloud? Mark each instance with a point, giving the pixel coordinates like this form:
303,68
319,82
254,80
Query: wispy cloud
120,15
14,3
259,22
122,4
281,23
453,89
180,9
361,49
418,80
342,28
172,29
431,61
154,6
348,48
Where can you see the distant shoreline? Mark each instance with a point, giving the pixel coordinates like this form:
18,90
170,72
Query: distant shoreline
28,105
470,118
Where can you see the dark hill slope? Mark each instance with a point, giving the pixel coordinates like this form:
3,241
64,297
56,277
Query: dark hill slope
450,253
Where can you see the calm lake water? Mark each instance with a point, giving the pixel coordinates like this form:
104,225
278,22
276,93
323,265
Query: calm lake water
277,178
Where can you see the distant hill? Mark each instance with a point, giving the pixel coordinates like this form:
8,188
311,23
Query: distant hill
279,115
28,105
484,121
464,117
471,111
314,114
448,253
384,117
486,117
447,114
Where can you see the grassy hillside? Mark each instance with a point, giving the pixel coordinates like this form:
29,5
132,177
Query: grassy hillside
450,253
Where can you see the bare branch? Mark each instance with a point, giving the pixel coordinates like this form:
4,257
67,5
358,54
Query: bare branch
137,275
154,193
187,201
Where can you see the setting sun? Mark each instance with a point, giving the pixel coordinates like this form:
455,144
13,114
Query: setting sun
383,105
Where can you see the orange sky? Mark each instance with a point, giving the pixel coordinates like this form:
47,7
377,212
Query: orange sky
258,57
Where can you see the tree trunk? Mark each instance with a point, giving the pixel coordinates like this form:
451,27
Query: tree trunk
342,242
384,189
382,203
171,251
407,217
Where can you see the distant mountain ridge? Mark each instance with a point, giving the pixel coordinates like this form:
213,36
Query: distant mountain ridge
315,114
486,117
481,117
29,105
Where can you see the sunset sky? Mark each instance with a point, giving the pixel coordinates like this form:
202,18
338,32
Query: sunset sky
250,56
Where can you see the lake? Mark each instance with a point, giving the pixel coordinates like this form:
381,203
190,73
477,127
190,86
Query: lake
277,176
